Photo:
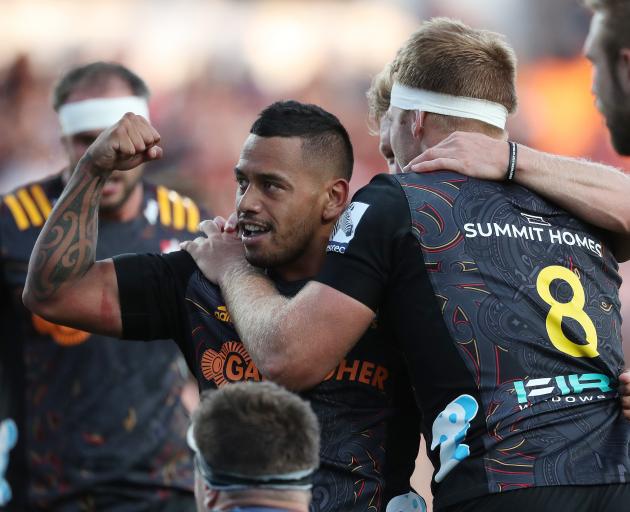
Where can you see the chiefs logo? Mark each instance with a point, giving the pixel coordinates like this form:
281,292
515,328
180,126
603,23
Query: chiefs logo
231,364
66,336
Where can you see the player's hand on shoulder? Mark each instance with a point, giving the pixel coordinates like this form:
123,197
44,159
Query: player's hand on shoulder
624,391
125,145
472,154
219,251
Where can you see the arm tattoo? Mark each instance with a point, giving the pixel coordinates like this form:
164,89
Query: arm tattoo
66,246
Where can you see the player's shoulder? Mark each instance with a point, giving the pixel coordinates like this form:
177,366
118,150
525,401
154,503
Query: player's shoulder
447,180
171,210
380,188
201,291
28,206
397,186
377,211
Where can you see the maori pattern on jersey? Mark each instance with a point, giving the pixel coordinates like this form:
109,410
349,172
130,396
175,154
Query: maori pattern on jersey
504,264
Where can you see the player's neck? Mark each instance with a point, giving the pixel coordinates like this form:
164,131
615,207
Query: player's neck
307,264
431,138
128,210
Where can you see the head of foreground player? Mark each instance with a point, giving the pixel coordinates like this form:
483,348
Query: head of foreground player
608,48
474,64
292,184
255,444
89,99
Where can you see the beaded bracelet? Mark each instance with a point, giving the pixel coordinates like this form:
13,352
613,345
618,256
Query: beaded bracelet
511,168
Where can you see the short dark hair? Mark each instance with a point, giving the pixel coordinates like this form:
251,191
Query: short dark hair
96,74
255,429
322,133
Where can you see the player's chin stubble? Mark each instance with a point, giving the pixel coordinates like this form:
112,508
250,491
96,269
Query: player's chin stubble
277,253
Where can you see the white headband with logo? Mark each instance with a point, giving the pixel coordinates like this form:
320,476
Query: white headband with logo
99,113
409,98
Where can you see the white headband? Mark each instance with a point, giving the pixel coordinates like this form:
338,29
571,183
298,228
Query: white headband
231,481
99,113
409,98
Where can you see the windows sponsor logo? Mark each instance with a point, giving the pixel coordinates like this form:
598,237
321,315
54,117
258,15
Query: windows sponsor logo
562,388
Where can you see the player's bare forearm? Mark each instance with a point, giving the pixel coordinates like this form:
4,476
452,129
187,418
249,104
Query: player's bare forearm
259,314
293,341
66,246
64,283
594,192
290,340
256,308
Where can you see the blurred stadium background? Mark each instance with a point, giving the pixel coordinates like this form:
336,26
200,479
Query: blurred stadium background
213,65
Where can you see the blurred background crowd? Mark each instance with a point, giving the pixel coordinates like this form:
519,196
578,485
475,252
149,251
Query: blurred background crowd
213,65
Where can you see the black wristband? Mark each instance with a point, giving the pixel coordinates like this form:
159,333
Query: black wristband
511,168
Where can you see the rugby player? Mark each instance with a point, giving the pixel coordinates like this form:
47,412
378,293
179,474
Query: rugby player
292,184
557,178
256,448
100,423
505,305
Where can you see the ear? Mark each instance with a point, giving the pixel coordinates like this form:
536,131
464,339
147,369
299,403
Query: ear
337,192
417,126
623,70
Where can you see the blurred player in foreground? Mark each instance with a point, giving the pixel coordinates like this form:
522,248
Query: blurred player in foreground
256,447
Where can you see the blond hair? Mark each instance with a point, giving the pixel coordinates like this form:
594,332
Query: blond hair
447,56
378,96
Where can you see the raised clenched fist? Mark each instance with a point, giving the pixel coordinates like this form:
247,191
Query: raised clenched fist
127,144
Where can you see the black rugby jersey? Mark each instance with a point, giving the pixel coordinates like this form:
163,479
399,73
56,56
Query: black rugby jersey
369,423
507,309
102,426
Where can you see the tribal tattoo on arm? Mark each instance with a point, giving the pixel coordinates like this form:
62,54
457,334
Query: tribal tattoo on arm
64,283
66,247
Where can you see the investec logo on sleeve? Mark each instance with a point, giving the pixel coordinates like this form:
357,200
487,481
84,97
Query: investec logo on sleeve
346,227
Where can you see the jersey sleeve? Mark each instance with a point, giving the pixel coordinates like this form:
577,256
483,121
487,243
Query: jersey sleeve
361,246
151,289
